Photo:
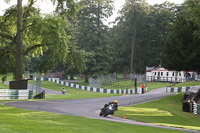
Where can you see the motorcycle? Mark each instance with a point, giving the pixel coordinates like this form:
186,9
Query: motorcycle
107,110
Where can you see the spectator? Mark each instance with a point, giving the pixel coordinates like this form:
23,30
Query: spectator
142,86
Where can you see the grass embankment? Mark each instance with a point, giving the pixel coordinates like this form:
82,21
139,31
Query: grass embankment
72,93
155,85
167,111
129,84
188,83
15,120
150,85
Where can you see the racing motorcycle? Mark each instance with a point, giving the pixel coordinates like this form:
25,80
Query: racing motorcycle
109,109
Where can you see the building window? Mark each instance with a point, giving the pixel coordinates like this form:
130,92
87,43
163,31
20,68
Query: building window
155,73
161,73
180,74
167,73
173,74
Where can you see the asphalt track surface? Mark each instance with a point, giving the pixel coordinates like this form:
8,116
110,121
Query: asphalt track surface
90,107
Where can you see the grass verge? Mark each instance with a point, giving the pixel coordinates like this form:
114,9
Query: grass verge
15,120
188,83
72,93
167,111
3,86
130,85
156,85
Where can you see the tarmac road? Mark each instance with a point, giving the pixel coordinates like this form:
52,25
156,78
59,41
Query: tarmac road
90,107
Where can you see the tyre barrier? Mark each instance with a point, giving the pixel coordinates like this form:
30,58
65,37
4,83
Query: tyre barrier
40,95
9,94
191,102
94,89
196,109
187,104
196,103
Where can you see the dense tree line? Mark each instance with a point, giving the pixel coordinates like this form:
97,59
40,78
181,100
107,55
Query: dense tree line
182,47
75,39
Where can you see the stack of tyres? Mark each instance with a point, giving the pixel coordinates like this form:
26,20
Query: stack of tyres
187,102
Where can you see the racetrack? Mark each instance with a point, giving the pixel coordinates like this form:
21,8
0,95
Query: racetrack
89,107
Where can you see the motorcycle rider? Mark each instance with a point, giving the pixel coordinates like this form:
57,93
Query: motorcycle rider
115,103
63,90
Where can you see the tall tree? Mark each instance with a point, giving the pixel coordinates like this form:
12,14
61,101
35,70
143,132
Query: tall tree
26,20
93,34
182,46
19,50
139,35
130,23
22,16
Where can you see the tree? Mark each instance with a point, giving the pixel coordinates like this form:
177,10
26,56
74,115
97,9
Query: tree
129,28
139,35
181,50
93,34
24,24
19,51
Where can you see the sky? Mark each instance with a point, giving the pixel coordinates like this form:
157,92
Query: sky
48,9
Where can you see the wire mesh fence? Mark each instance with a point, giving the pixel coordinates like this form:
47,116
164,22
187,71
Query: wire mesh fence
141,78
36,84
129,81
102,80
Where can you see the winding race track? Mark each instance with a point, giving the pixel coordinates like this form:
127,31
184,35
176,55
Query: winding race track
90,107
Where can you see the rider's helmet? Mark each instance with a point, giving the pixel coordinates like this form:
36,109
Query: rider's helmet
116,102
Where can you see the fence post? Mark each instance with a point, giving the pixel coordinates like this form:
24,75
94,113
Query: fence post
172,89
136,90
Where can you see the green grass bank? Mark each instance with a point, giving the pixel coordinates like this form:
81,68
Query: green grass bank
15,120
167,111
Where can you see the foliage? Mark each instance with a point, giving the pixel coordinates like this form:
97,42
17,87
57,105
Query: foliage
9,77
47,36
33,34
182,47
76,58
93,34
150,24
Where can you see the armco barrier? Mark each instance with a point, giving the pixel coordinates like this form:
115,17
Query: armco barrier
94,89
177,89
8,94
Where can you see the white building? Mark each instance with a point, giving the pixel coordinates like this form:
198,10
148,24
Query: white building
160,74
